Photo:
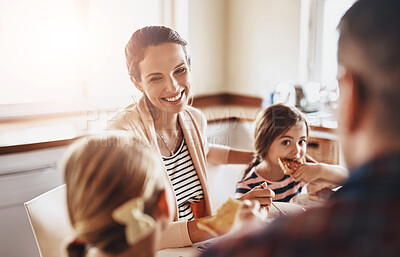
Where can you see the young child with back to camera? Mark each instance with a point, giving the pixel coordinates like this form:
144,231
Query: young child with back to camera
281,134
117,200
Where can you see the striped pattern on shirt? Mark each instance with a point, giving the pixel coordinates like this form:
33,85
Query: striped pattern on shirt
185,181
284,190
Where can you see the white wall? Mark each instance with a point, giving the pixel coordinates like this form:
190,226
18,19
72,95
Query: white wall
263,44
242,46
207,32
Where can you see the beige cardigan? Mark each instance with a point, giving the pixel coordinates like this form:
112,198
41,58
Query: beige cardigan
137,120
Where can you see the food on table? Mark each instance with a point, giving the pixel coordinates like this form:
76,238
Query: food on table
223,221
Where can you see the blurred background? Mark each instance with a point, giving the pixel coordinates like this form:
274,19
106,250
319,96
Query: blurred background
63,75
60,57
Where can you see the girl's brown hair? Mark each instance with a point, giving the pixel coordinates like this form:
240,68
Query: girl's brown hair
271,123
101,173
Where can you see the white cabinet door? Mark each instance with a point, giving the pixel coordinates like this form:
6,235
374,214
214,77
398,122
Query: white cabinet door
24,176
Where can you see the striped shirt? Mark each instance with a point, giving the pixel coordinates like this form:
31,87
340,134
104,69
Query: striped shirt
185,181
284,189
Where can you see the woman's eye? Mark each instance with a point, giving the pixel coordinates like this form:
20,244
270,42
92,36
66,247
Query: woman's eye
154,79
180,70
286,142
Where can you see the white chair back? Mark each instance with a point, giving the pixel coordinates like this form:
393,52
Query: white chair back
50,223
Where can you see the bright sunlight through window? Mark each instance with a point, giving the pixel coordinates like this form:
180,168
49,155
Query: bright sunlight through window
333,11
67,50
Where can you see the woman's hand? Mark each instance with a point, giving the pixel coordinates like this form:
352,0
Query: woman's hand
260,193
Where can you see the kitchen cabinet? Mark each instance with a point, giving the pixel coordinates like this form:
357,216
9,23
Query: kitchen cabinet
24,176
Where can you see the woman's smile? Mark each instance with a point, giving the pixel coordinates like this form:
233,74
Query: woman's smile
165,77
175,99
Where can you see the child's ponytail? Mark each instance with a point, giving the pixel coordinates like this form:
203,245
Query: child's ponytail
76,248
256,160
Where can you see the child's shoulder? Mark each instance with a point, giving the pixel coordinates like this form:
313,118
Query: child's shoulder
252,174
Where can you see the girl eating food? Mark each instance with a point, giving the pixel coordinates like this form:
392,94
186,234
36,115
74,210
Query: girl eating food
281,134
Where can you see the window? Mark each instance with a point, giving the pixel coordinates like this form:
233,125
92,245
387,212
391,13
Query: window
66,55
319,39
62,64
332,13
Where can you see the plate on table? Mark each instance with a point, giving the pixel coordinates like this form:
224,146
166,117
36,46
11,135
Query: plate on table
286,208
306,202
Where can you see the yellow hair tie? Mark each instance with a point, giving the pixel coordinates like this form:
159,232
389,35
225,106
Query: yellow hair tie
138,225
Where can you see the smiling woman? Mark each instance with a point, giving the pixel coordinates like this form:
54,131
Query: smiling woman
160,67
162,87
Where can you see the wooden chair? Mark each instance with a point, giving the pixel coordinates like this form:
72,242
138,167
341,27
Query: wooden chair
50,223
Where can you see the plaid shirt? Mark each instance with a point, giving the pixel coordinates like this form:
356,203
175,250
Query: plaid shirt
361,219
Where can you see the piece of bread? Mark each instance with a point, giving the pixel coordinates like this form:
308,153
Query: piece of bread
223,221
290,166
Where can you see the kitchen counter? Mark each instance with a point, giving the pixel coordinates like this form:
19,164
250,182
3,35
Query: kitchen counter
41,132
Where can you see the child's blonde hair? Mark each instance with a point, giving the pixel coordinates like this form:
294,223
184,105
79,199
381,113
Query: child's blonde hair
270,123
101,173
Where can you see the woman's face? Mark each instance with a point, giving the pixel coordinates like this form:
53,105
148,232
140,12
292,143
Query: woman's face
289,145
165,77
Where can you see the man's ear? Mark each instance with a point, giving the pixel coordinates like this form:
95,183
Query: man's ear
137,84
356,107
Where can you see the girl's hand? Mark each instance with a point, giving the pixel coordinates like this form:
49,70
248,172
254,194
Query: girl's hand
250,211
261,194
313,172
308,172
